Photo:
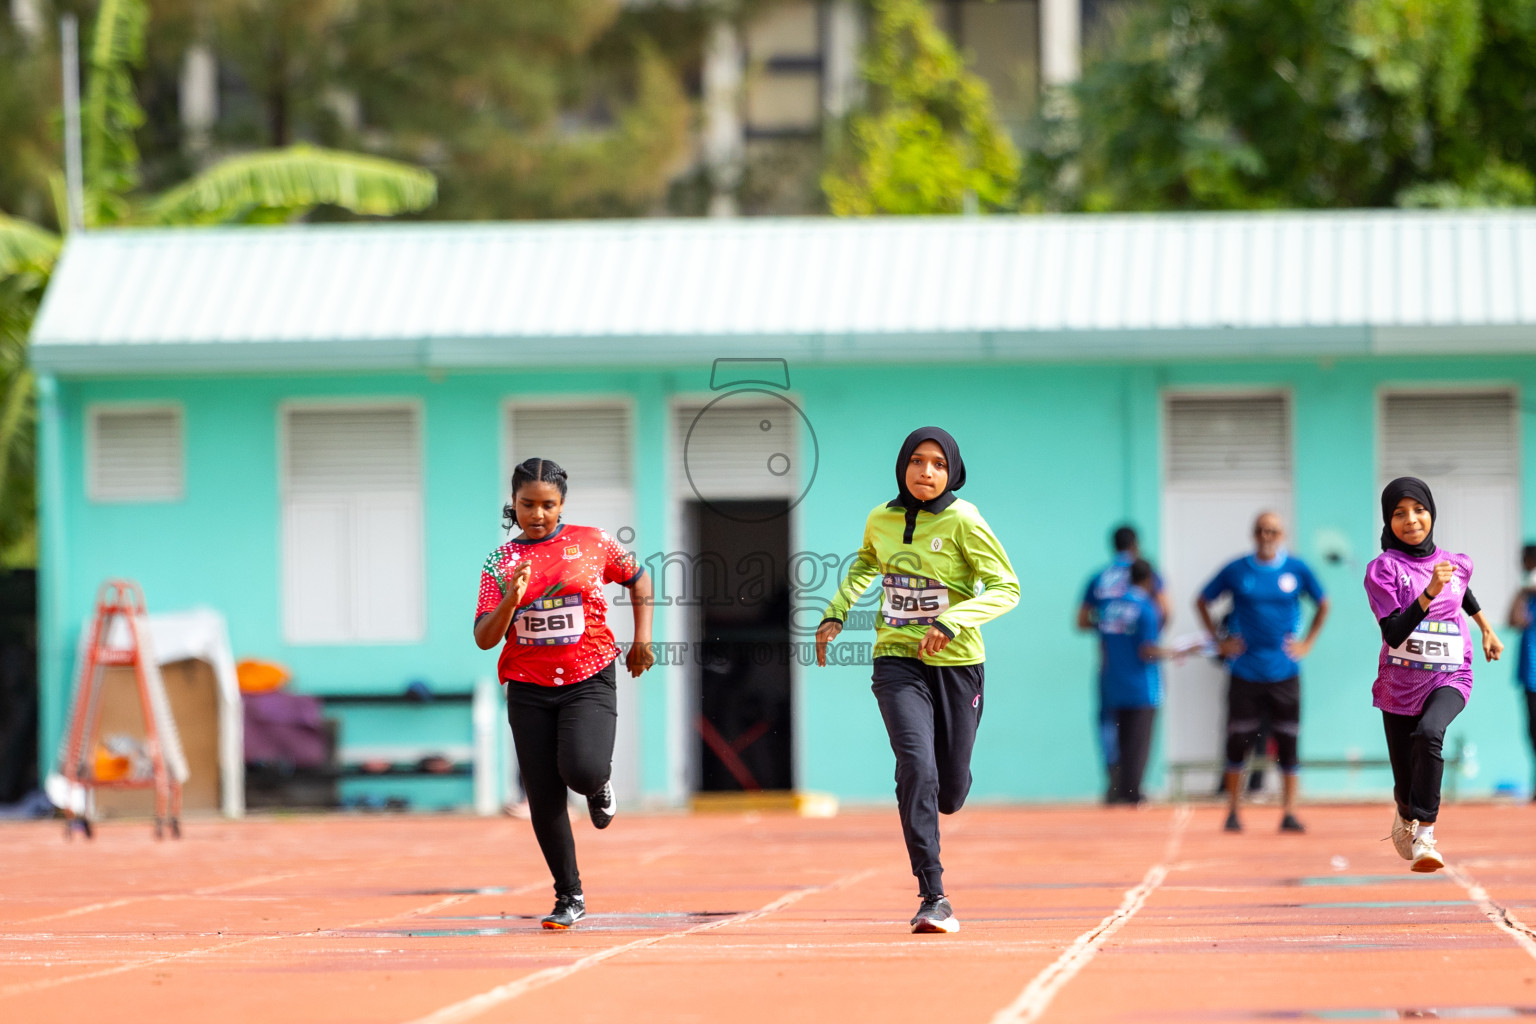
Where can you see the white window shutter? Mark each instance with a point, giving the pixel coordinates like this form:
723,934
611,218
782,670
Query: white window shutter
353,545
742,446
316,570
352,451
1466,446
388,589
592,443
1228,438
1450,437
136,455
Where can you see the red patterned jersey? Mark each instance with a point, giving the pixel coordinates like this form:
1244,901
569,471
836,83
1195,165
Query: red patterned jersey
560,632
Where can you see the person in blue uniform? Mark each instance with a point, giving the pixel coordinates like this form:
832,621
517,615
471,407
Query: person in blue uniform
1108,584
1130,680
1522,616
1264,652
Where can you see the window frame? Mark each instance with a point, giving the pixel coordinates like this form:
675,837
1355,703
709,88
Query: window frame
1386,390
93,414
1169,395
417,408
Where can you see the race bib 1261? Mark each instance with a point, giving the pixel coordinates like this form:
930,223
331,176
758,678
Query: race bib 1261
913,600
551,621
1433,646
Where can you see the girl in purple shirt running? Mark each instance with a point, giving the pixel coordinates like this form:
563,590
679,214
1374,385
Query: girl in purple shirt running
1420,595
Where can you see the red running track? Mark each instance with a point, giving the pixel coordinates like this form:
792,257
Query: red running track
1076,914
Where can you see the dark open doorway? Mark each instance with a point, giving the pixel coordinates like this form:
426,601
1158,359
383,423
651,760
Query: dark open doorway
18,684
745,716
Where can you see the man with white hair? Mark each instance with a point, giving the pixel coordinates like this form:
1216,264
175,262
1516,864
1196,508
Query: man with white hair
1263,652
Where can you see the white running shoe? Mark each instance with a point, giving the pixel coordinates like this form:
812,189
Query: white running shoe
1402,836
1425,857
935,916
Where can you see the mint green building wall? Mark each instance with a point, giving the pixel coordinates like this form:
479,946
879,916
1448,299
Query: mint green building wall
1056,455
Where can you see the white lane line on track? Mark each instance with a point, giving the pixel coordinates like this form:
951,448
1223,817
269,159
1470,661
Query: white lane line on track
23,988
89,908
212,890
475,1005
1042,988
1502,918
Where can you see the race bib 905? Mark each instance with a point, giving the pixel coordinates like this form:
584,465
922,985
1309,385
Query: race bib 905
551,621
913,600
1433,646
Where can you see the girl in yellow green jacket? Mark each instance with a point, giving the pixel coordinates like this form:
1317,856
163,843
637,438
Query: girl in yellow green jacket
943,574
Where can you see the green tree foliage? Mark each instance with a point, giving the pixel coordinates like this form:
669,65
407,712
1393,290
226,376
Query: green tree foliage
29,148
552,109
27,253
1227,104
111,113
258,187
288,56
929,139
278,185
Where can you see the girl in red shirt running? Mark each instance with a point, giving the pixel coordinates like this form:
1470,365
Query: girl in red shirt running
542,592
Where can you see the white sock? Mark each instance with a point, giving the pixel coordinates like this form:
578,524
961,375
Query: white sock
1426,833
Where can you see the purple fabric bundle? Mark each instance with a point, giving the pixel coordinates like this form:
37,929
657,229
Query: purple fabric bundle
285,728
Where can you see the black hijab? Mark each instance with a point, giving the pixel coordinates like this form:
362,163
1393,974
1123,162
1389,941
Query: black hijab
1396,491
904,498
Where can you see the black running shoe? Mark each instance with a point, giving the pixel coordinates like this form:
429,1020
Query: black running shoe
568,910
1234,824
601,806
935,915
1289,823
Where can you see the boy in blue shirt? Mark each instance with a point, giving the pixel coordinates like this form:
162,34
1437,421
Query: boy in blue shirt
1263,652
1108,584
1130,681
1522,614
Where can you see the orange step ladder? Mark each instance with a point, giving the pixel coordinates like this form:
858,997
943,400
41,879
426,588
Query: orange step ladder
121,615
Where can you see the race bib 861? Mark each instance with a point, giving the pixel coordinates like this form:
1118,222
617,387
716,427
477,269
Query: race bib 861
1434,646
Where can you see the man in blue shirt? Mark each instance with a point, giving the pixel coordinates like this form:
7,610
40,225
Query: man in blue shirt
1131,684
1262,653
1108,584
1522,614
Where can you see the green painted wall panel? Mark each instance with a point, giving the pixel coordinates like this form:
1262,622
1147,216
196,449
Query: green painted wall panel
651,507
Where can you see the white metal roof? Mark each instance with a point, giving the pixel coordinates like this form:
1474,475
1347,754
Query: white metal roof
1051,287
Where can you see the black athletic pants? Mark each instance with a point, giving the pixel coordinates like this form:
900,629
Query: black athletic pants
1415,743
1134,727
564,739
1530,714
931,713
1252,706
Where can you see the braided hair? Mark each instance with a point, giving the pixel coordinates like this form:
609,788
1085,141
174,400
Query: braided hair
531,471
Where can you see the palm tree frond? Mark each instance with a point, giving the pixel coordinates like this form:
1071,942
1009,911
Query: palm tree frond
25,247
111,113
297,179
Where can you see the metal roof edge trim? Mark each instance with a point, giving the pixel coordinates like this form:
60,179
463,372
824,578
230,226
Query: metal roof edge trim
1062,345
83,360
1433,340
1058,346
